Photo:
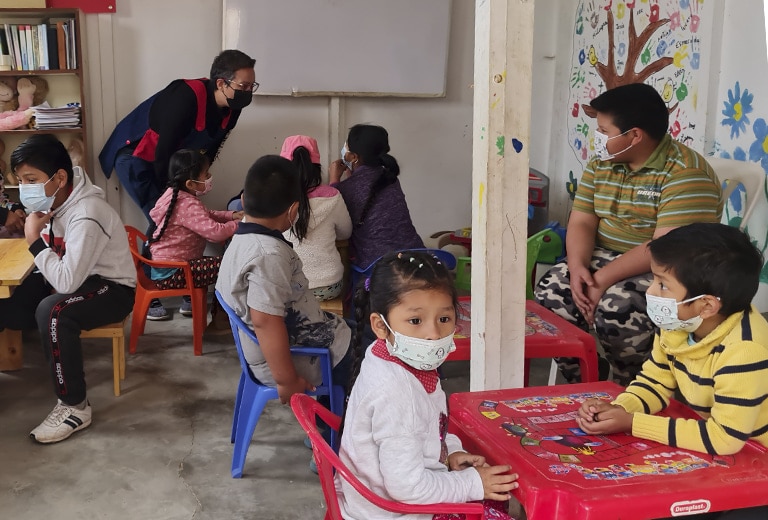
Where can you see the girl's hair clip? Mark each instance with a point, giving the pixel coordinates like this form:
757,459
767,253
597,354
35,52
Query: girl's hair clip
367,285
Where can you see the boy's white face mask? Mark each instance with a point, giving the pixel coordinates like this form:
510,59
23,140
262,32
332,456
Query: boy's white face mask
421,354
601,146
663,312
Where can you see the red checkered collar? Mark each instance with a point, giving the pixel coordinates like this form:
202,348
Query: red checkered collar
428,378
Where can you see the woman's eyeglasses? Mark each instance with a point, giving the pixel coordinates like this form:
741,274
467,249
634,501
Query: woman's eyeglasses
253,87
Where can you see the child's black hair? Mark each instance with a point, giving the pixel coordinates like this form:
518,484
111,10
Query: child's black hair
371,144
636,105
712,259
184,165
271,186
310,176
45,153
394,275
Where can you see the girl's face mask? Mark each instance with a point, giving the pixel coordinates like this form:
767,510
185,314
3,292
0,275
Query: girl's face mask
208,186
344,152
421,354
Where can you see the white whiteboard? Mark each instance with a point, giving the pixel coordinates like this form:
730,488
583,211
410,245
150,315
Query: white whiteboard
343,47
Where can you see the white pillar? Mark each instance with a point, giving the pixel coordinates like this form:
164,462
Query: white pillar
501,128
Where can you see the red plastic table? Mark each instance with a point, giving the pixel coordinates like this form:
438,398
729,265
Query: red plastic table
568,475
547,335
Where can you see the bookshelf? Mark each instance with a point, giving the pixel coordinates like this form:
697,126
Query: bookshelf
65,83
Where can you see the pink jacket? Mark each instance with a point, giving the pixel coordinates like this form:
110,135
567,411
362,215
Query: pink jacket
190,226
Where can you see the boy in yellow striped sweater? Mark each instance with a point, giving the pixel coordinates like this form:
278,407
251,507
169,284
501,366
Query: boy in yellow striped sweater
712,347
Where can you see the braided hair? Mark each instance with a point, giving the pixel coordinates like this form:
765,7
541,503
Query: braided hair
371,144
184,165
310,176
394,275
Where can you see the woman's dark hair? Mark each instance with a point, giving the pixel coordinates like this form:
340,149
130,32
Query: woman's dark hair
311,177
183,166
394,275
228,62
712,259
45,153
371,144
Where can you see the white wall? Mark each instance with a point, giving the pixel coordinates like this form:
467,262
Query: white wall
155,42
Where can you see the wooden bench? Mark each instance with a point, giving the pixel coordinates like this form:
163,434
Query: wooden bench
13,354
116,331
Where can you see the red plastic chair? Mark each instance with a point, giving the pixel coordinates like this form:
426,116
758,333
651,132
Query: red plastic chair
146,290
305,408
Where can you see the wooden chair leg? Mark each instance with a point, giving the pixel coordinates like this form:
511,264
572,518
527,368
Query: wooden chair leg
121,350
116,365
11,350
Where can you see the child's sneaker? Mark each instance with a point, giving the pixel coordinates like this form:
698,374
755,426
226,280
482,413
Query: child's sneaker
157,312
186,306
63,421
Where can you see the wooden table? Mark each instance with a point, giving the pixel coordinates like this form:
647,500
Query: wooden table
566,474
16,262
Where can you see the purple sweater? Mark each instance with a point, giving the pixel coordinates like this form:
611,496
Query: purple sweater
387,226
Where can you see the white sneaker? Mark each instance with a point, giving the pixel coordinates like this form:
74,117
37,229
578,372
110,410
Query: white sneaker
63,421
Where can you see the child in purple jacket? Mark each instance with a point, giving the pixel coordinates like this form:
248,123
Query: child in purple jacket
381,221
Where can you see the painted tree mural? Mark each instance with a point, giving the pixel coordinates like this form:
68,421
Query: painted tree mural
649,41
636,46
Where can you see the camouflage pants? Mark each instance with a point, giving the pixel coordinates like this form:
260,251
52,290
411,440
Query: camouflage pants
624,329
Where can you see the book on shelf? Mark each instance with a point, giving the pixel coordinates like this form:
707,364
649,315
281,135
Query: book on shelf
44,46
49,118
5,51
61,42
53,47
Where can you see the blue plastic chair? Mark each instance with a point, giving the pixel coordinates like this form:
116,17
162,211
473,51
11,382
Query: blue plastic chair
252,395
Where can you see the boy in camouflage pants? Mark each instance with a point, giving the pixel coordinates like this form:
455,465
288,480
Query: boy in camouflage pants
641,185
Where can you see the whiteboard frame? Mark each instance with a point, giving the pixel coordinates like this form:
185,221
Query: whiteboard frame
230,35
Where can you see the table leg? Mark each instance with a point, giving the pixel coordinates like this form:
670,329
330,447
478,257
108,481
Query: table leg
11,353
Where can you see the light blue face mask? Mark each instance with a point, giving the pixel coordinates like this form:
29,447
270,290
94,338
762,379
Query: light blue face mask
33,197
344,152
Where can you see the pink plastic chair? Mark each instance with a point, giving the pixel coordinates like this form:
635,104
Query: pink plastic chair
305,408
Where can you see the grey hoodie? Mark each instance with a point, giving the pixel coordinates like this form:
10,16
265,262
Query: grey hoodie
89,235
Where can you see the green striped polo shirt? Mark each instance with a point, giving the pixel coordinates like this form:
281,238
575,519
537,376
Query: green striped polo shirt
674,187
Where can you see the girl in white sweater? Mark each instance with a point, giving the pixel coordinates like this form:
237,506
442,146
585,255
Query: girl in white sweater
395,436
323,219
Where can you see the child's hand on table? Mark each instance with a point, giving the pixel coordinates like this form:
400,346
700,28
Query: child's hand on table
497,482
598,417
460,460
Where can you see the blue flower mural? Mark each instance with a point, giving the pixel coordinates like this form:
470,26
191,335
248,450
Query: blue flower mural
758,150
738,154
737,107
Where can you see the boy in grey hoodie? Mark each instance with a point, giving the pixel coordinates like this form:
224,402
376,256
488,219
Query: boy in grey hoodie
80,247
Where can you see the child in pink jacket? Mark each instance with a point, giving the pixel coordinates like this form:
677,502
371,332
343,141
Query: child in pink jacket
183,225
